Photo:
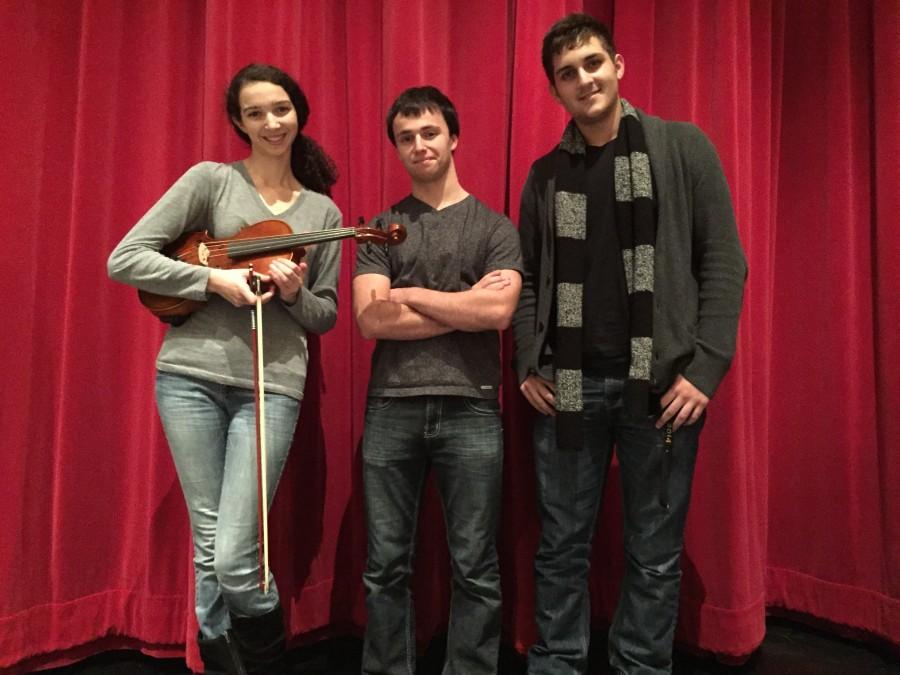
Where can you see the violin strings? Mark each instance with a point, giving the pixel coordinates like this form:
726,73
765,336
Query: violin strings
245,247
337,233
261,244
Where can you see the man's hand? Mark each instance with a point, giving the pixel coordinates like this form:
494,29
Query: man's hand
494,281
683,402
382,313
540,393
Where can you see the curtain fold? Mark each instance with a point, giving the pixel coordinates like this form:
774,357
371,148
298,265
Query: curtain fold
108,103
829,456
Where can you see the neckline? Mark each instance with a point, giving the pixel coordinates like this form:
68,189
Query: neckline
444,208
245,174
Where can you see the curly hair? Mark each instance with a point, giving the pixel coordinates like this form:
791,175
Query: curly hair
309,162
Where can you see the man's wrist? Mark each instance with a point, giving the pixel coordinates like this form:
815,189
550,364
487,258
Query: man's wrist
408,295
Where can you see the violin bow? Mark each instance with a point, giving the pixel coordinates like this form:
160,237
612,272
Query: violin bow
259,395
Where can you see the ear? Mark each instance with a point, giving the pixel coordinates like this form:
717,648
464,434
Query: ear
454,140
239,124
620,66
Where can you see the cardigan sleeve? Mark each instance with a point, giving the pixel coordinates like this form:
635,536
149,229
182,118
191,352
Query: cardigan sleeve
719,264
524,319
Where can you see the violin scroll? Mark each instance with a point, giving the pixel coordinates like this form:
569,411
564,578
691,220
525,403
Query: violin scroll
393,235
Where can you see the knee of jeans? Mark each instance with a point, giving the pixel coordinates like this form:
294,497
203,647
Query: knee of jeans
564,566
236,562
484,587
565,540
390,566
481,572
228,571
239,581
653,560
204,557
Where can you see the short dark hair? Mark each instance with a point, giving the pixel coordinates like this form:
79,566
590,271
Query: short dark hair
417,100
573,30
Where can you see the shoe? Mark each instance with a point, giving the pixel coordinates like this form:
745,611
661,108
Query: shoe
220,656
261,642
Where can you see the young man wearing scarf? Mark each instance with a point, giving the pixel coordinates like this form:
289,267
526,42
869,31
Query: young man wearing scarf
625,327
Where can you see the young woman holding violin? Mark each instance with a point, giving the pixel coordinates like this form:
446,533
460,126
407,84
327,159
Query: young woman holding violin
205,367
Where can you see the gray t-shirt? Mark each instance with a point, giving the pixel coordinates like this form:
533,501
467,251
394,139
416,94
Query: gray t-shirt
446,250
214,343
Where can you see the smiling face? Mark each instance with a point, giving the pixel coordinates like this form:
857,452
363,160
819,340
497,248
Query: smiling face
586,82
268,117
424,145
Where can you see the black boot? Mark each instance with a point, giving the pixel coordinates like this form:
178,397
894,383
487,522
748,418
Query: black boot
261,642
220,656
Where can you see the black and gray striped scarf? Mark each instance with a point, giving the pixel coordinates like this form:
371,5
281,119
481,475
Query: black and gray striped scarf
635,213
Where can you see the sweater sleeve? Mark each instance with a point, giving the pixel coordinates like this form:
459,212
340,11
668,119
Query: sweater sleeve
719,263
316,307
523,322
137,260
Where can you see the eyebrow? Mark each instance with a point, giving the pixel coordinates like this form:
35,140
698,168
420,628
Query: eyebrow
427,127
584,59
273,104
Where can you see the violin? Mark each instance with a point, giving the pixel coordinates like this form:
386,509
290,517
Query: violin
258,244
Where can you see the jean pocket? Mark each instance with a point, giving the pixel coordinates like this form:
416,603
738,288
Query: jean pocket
379,403
483,406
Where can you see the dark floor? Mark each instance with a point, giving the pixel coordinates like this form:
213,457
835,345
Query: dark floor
790,648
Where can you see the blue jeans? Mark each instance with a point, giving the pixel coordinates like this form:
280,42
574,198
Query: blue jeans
461,439
211,430
570,487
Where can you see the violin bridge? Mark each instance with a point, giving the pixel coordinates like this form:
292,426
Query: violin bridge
203,254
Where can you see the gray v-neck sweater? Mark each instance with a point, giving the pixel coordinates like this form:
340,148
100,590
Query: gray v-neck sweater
214,343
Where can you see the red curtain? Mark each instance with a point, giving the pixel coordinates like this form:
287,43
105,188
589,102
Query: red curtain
106,103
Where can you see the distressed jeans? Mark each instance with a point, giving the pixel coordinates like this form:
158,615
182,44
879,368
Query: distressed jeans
570,488
211,430
461,440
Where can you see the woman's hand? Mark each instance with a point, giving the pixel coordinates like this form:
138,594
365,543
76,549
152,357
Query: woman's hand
234,286
289,277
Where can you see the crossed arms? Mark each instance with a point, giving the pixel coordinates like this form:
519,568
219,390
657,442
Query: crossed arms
417,313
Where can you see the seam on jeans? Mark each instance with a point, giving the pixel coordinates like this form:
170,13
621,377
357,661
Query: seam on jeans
379,403
432,403
409,635
470,403
450,625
